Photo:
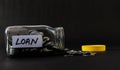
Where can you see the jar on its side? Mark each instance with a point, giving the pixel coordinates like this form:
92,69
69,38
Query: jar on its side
47,37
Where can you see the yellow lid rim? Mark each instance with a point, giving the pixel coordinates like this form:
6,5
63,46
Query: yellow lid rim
94,48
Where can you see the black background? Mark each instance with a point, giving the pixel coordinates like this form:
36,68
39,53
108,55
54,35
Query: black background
84,21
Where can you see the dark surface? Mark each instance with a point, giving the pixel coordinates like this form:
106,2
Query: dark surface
109,60
84,21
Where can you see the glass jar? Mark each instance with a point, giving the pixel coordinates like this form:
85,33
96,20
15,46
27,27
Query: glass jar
20,39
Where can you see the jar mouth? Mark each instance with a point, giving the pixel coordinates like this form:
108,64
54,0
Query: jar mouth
60,37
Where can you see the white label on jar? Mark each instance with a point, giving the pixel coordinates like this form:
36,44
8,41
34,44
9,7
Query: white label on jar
26,41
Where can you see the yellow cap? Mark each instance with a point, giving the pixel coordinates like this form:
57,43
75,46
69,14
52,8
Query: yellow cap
94,48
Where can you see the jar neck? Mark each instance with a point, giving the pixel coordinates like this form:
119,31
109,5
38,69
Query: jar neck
59,37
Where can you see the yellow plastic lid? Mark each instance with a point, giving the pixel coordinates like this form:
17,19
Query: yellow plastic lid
94,48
